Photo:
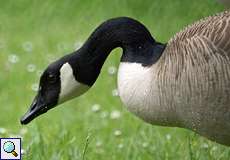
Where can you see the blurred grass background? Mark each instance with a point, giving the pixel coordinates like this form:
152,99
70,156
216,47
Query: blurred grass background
34,33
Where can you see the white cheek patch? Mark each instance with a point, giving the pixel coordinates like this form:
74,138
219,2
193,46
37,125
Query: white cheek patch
70,87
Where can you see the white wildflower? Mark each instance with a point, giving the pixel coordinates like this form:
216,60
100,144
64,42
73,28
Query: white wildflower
23,131
31,67
117,133
168,136
35,87
3,131
112,70
115,92
204,145
13,58
145,144
214,148
96,108
23,151
120,146
115,114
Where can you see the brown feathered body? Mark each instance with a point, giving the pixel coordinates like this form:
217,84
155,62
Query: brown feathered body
194,77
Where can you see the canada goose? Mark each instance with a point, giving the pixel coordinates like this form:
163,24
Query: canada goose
184,83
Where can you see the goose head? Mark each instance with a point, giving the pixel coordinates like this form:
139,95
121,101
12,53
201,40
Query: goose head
73,74
58,83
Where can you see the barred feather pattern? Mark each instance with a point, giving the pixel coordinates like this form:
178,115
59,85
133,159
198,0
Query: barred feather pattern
193,77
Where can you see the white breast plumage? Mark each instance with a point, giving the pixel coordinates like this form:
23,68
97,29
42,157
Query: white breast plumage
133,90
139,92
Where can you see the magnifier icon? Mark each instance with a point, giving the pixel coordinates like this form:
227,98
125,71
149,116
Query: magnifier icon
9,147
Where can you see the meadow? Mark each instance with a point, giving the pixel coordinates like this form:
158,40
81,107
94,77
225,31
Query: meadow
95,126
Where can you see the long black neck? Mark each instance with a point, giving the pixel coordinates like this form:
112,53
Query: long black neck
136,41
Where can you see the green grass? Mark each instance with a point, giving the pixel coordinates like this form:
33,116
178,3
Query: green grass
73,131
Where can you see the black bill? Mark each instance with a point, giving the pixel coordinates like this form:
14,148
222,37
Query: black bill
37,108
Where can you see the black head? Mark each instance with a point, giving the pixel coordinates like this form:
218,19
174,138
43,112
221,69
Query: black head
57,84
48,93
72,75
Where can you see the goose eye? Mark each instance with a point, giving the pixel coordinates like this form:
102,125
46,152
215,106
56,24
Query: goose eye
51,78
